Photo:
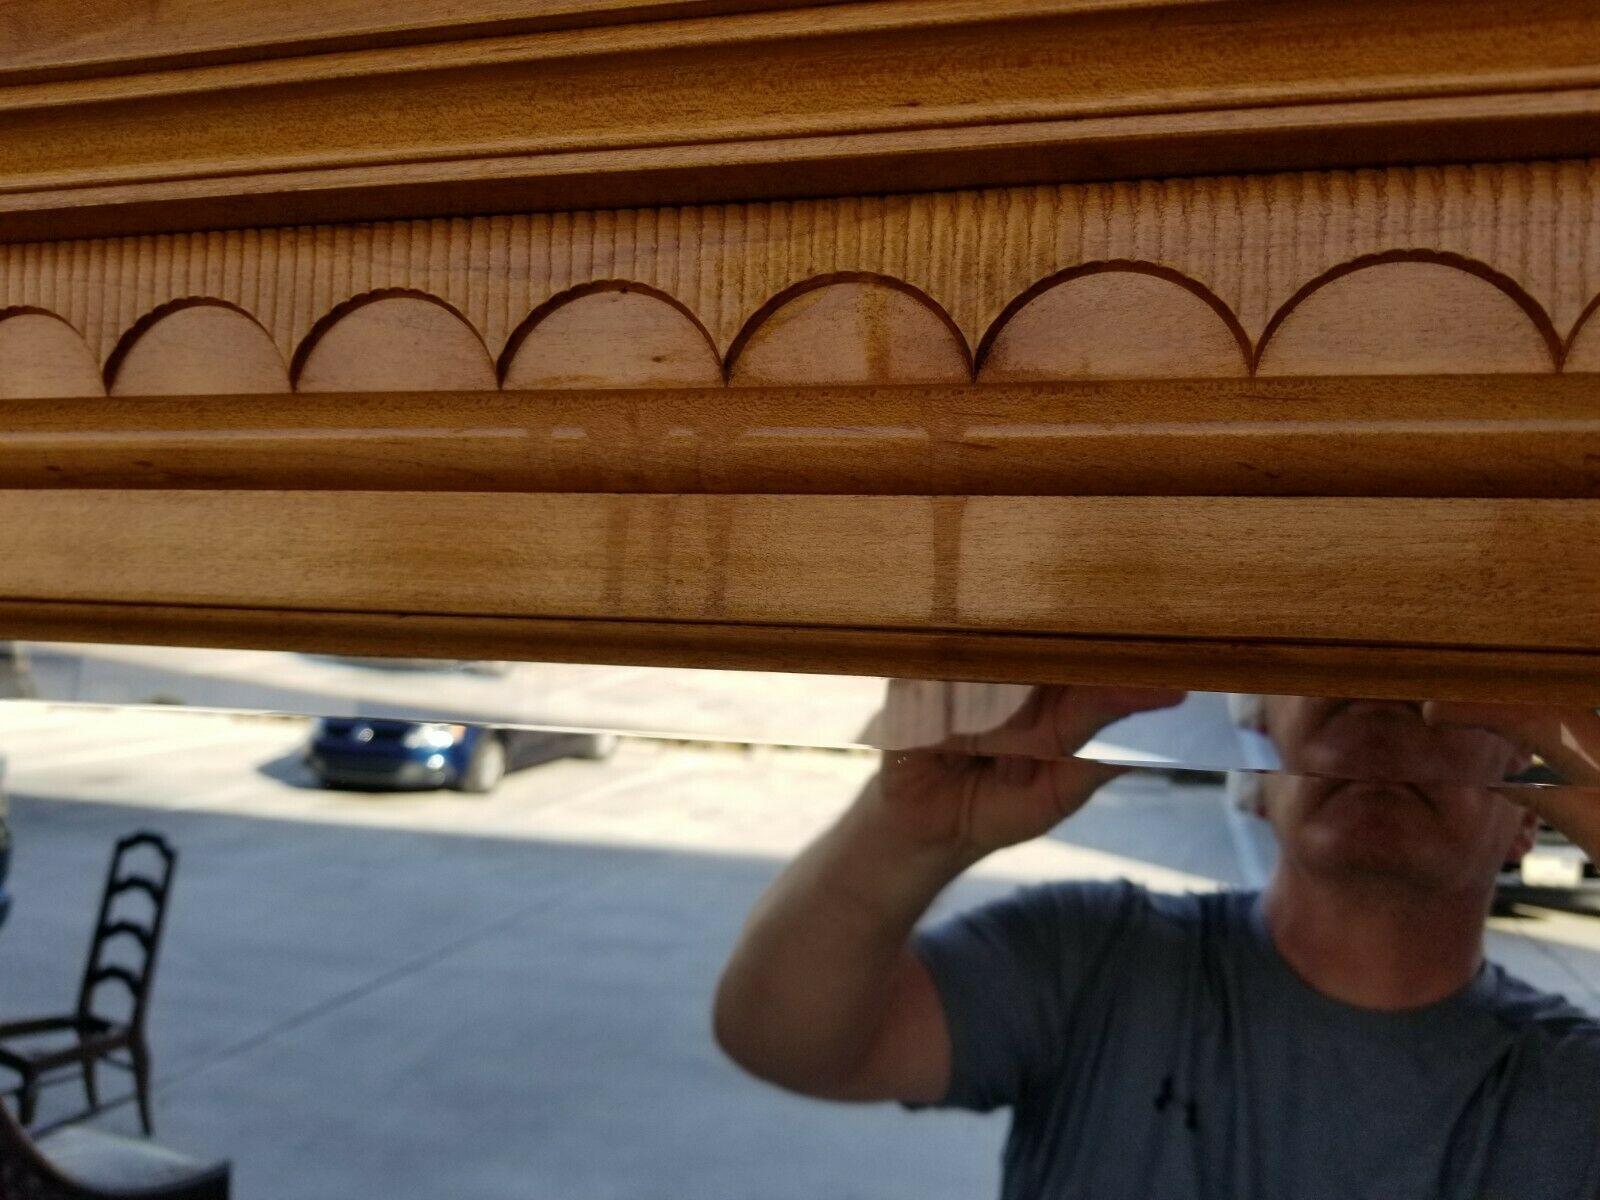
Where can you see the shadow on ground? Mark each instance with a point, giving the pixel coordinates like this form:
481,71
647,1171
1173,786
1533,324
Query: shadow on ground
373,1012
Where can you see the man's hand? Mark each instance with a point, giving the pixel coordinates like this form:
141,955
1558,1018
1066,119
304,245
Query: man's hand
1568,739
822,993
988,767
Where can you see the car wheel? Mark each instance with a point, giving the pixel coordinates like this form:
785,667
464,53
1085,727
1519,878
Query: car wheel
597,747
486,768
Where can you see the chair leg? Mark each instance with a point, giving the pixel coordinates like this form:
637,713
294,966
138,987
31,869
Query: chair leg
27,1100
141,1083
89,1088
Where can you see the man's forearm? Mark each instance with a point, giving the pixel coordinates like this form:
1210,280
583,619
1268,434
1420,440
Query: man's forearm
806,993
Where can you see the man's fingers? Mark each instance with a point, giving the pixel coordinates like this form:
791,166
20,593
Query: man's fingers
1566,738
1056,720
1072,781
1040,721
1080,721
1016,798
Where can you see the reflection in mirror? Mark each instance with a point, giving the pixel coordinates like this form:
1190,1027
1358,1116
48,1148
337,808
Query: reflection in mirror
493,904
1417,740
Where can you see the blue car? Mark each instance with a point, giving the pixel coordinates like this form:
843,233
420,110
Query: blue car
358,752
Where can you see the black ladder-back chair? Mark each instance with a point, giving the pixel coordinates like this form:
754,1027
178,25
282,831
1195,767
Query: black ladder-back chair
96,1038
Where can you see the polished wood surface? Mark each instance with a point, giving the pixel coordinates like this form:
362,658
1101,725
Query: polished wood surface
88,38
1269,667
409,328
1408,572
1442,436
892,95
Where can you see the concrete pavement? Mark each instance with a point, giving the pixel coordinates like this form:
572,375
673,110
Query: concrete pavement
440,995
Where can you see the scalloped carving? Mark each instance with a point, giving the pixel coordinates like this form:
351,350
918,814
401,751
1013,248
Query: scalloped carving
1253,240
393,342
611,335
1410,315
1114,321
849,330
41,356
195,348
1583,350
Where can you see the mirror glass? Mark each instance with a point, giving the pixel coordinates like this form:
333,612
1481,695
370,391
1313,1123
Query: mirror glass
444,927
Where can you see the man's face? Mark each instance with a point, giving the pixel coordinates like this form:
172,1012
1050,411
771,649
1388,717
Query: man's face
1370,789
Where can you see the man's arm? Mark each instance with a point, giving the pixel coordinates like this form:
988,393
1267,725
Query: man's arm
822,994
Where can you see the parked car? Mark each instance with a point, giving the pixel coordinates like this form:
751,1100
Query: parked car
385,754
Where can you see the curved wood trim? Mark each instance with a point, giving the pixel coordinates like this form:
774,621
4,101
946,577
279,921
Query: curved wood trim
134,332
562,299
1130,266
343,309
34,310
1578,326
794,291
1471,266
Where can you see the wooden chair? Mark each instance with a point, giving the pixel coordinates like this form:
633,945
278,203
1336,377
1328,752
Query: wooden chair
95,1037
77,1163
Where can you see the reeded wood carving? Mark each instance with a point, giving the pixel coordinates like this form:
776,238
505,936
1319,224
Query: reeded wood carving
1482,269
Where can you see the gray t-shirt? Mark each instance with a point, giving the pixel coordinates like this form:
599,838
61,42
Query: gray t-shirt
1156,1047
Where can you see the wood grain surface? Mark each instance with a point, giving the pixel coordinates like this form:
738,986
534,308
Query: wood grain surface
415,333
1531,436
890,95
1273,668
44,40
1461,573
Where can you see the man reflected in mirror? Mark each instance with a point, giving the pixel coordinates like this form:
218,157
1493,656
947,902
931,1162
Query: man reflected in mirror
1337,1034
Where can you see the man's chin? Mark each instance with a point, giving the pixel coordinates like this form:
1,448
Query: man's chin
1372,849
1379,866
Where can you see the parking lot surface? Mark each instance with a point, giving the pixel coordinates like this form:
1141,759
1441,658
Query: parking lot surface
440,995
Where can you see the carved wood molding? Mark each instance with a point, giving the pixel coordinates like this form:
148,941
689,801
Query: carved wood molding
1470,269
1335,418
1442,436
109,37
890,95
1276,668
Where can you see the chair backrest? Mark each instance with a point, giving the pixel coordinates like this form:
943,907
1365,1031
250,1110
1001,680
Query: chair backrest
123,950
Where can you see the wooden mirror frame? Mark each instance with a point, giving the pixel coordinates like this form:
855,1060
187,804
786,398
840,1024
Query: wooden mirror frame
1241,346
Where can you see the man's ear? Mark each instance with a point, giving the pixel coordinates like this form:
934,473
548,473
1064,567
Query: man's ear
1526,833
